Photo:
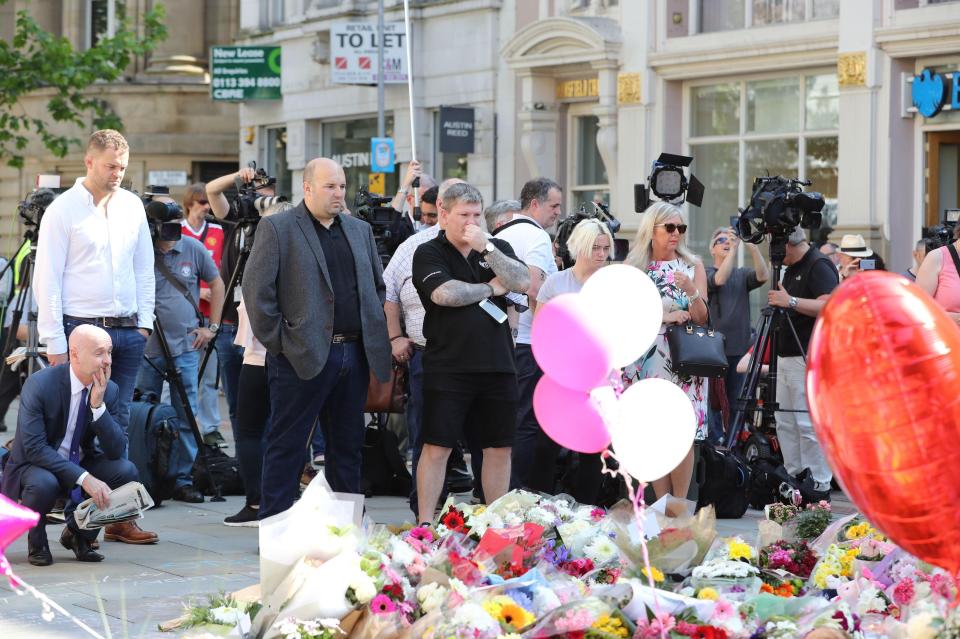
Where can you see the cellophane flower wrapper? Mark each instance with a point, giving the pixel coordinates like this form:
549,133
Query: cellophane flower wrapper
667,551
378,626
467,620
576,616
735,548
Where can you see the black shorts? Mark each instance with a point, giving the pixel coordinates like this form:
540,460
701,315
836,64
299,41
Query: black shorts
480,408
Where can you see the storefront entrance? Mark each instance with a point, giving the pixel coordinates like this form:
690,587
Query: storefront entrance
943,175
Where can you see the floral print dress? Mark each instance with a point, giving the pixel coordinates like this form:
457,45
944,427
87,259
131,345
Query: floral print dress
656,363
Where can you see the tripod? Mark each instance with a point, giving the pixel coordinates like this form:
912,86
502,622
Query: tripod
34,361
171,375
771,326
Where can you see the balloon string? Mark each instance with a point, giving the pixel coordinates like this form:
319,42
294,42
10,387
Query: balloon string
639,512
19,584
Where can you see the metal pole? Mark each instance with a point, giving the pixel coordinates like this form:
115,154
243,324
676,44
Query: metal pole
413,128
381,118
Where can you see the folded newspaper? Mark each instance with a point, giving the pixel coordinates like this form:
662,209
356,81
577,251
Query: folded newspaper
126,502
19,354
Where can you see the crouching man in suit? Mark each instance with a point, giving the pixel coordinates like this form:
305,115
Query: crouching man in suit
68,442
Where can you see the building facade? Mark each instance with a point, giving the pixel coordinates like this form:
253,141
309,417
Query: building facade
590,92
176,132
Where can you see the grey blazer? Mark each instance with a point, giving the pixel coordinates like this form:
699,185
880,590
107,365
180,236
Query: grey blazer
289,296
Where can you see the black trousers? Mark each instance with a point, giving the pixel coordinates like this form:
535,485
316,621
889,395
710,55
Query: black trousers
253,414
40,489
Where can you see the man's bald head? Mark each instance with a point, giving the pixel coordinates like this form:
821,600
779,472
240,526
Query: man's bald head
90,351
324,189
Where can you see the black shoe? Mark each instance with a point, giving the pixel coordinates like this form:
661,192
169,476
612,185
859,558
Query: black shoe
79,545
247,517
39,555
188,494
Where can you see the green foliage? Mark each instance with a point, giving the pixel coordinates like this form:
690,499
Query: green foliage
36,59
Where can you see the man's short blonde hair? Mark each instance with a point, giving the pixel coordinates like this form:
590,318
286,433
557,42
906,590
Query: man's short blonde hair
107,139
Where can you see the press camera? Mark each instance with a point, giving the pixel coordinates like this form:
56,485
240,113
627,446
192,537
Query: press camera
390,227
250,202
778,205
942,234
163,218
588,211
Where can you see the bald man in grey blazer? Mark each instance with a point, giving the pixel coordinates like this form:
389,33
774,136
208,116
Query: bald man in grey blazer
314,291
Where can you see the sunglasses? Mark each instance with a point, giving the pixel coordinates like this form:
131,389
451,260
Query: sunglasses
720,240
201,202
671,227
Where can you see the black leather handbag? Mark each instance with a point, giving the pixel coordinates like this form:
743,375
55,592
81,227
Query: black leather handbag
697,351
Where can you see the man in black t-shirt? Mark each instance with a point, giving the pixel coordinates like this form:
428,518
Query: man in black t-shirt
469,377
808,281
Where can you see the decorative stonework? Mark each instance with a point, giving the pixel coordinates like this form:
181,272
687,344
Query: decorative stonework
852,69
628,88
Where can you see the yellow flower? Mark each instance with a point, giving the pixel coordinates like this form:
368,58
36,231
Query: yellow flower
657,574
859,531
709,594
515,616
739,550
611,626
478,510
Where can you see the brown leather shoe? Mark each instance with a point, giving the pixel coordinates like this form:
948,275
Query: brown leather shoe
129,533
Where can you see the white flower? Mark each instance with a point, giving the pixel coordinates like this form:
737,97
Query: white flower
541,516
544,601
471,615
601,550
431,596
870,600
921,627
458,587
721,568
401,552
363,587
226,615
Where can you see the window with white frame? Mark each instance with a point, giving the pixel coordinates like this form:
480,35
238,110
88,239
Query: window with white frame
738,130
726,15
271,13
103,17
587,174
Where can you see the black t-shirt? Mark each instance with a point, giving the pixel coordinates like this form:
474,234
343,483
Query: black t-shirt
461,339
814,275
228,262
343,276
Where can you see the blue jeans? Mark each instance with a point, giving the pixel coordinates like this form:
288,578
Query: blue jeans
208,400
151,381
230,357
733,382
128,345
337,395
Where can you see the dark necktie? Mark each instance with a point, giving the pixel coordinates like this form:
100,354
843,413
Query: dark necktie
75,444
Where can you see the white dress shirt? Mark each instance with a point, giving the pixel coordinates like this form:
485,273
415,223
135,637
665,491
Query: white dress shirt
92,263
76,390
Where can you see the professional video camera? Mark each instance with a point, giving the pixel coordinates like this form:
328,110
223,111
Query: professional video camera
390,227
778,205
942,234
250,203
588,211
32,208
163,218
669,183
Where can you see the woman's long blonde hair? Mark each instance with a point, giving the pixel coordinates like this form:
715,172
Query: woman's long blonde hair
639,256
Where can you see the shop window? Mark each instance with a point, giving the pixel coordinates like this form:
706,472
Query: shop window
726,15
449,165
276,155
348,143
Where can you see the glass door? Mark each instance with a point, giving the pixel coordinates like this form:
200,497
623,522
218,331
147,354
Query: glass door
943,175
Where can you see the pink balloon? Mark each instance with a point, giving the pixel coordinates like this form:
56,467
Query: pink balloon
568,345
14,521
574,419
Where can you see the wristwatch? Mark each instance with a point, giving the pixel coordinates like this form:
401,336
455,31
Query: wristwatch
214,327
793,302
490,248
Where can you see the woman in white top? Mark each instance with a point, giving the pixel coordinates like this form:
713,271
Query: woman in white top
591,243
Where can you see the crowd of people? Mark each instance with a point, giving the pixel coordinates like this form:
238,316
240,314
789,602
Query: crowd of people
319,317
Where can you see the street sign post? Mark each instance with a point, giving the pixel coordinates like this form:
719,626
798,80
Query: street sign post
245,73
381,155
354,53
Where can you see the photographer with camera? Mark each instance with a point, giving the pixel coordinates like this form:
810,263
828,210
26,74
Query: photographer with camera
808,281
180,264
404,201
856,256
939,276
94,265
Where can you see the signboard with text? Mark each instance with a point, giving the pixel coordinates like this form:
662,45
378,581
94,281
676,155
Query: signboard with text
456,130
354,55
931,92
245,73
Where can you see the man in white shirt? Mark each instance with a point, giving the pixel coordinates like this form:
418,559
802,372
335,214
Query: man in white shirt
540,207
95,265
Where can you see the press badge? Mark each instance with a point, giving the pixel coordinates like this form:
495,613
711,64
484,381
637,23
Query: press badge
493,311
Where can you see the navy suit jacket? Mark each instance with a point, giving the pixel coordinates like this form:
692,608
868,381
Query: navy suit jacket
42,423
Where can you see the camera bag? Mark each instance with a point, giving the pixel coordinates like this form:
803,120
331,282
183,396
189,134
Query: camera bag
724,481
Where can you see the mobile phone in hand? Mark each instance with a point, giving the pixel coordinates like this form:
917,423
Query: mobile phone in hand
868,265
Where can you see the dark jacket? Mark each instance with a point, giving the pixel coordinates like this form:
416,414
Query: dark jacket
42,423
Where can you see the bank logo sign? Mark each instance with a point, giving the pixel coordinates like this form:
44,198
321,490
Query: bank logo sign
932,92
354,53
245,73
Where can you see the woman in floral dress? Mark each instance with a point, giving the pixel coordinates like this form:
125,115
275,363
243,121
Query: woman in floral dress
659,250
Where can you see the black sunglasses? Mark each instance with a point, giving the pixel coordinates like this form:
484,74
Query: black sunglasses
201,202
671,227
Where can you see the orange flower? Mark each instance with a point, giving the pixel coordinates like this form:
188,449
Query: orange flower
766,588
786,590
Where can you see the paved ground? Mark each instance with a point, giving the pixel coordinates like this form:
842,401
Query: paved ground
138,587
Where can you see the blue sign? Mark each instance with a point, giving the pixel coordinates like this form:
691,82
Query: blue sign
381,155
932,92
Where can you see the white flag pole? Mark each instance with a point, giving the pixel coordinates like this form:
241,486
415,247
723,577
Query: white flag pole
413,127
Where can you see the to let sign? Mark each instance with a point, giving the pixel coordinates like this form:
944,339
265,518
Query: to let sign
354,53
456,129
245,73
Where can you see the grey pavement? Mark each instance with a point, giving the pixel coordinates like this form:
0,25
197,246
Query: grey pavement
137,587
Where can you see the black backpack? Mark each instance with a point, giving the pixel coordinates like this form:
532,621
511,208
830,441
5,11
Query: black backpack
153,433
770,483
225,470
384,471
724,481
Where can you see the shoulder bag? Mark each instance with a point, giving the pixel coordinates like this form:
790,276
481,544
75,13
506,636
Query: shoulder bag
697,351
389,396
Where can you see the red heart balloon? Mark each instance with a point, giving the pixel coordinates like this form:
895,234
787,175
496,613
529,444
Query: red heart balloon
883,382
14,521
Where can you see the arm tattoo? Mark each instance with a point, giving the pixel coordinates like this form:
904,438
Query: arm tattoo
512,273
457,293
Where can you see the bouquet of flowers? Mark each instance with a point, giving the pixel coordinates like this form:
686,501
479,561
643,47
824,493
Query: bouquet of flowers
809,523
795,558
835,567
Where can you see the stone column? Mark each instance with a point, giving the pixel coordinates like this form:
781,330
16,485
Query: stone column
183,53
538,118
606,112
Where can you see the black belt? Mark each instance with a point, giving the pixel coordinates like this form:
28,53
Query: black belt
342,338
417,347
106,322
